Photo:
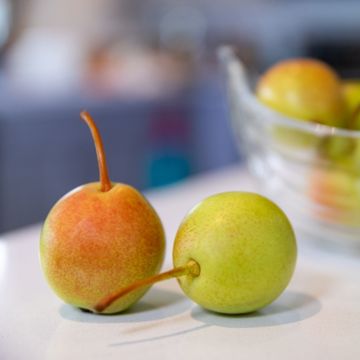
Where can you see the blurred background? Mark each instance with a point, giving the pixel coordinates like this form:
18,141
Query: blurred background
147,72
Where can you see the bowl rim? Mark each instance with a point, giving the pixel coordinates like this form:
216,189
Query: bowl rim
234,67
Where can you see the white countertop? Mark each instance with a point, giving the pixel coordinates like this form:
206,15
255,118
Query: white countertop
318,316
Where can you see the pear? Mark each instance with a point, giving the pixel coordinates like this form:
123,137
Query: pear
351,90
99,236
337,194
344,151
305,89
341,153
234,253
245,248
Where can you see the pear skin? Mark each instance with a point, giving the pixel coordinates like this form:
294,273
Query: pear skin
245,248
351,90
99,236
94,241
305,89
337,194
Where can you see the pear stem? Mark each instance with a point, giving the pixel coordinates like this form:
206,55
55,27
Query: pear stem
100,152
191,268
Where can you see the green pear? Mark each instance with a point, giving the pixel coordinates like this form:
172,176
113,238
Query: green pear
98,236
234,253
245,248
335,185
341,153
351,90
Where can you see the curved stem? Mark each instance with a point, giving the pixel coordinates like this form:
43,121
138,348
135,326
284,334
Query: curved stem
100,152
191,268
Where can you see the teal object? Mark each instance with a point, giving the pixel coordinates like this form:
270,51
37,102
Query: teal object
167,167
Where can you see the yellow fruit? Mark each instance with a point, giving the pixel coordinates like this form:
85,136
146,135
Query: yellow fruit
305,89
352,96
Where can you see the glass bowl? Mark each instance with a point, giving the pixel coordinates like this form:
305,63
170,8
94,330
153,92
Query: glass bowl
311,170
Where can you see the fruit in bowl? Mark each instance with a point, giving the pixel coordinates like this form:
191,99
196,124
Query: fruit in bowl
337,193
341,152
304,89
351,90
335,183
288,167
310,90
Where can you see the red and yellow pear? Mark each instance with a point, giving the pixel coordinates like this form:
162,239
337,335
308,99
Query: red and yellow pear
98,236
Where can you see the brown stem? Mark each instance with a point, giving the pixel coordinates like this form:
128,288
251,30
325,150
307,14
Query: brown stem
100,152
191,268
